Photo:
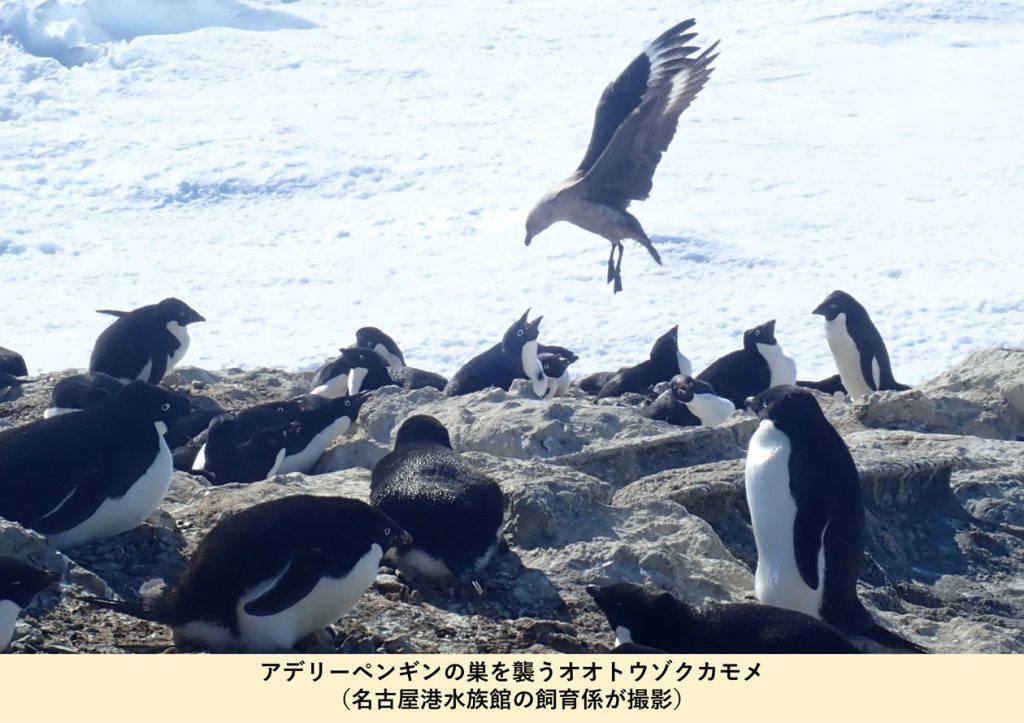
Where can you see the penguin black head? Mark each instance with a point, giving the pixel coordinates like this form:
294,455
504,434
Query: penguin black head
640,611
152,403
20,581
520,333
177,310
554,365
786,406
763,334
350,404
839,302
666,345
369,337
422,428
683,388
359,357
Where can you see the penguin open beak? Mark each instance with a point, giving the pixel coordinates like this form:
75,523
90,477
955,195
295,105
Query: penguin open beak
535,323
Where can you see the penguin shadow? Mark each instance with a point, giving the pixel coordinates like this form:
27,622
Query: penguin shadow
505,590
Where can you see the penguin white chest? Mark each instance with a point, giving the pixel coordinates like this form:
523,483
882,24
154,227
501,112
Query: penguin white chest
355,379
180,333
304,459
781,367
685,367
120,514
333,388
533,369
710,409
8,615
847,356
329,599
777,580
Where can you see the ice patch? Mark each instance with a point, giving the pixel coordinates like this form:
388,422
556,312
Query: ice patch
73,32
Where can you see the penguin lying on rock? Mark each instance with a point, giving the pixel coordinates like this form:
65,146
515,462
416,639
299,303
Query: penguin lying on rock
514,357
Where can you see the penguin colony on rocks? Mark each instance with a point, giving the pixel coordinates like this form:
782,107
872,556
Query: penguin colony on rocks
100,460
268,576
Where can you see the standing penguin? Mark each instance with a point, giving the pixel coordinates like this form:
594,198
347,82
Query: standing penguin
144,343
19,583
659,620
93,474
453,511
664,362
266,577
81,391
689,402
807,514
514,357
760,364
856,345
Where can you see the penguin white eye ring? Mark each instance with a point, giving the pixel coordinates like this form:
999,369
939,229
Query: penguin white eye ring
387,530
519,332
165,407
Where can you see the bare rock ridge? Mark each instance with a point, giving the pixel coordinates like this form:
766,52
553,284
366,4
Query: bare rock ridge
596,493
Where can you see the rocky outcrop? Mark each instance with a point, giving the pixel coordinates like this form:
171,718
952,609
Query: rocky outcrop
596,493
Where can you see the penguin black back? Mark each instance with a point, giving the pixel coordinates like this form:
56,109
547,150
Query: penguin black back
661,621
81,391
144,343
500,365
744,372
663,363
453,511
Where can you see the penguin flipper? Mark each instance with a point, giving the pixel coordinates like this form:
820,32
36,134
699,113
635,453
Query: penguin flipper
77,507
812,519
112,312
304,571
868,365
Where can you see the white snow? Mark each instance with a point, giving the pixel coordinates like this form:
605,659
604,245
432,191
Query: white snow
372,163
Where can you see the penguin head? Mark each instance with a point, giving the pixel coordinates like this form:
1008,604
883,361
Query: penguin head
666,345
682,388
520,333
20,581
641,611
554,365
370,337
785,405
359,357
381,529
420,429
152,403
763,334
177,310
836,303
350,404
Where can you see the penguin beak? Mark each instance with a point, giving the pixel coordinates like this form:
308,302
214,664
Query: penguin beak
404,539
820,309
52,578
535,323
752,404
196,316
593,590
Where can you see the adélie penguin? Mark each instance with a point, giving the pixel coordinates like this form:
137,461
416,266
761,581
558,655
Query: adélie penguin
453,511
689,402
658,620
857,346
299,438
664,362
266,577
93,474
370,337
19,583
144,343
367,370
81,391
760,364
514,357
807,515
